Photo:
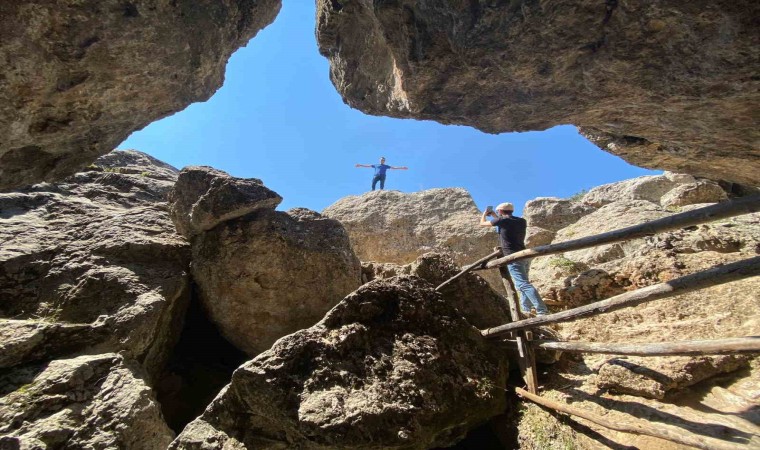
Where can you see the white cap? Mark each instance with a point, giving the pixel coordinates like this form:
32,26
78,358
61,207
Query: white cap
506,206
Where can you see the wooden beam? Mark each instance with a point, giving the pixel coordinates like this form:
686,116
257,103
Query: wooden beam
526,357
711,277
635,426
465,269
744,205
705,347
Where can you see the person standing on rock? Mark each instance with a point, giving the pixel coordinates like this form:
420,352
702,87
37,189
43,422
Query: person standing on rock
380,170
512,239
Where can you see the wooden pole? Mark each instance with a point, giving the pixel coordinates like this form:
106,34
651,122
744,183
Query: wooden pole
526,357
744,205
711,277
706,347
635,426
465,269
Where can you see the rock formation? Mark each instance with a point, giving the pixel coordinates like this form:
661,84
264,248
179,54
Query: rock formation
471,295
91,265
391,366
396,227
79,77
66,244
261,273
669,86
681,390
93,401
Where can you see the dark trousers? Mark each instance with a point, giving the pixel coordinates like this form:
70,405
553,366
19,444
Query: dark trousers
381,179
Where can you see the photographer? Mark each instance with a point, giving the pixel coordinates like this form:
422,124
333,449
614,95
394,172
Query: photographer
512,239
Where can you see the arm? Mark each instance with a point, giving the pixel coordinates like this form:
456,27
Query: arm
400,168
484,222
363,165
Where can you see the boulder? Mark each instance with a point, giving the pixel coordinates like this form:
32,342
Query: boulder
655,377
204,197
554,214
270,273
79,77
470,294
703,191
92,264
396,227
391,366
537,236
94,401
663,86
648,188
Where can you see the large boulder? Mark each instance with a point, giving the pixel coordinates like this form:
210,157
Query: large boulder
204,197
396,227
94,401
391,366
470,294
662,85
79,77
93,264
270,273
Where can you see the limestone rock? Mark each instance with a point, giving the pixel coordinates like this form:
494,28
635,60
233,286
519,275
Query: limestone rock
703,191
655,377
270,273
92,263
553,213
537,236
204,197
470,294
79,78
396,227
649,188
663,86
94,401
391,366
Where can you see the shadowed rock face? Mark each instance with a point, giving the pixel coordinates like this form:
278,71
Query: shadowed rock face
393,365
79,77
92,264
668,85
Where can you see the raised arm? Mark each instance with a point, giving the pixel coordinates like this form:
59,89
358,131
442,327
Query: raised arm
364,165
484,222
400,168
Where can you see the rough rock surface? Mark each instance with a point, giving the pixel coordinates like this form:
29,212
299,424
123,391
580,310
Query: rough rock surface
471,295
391,366
396,227
204,197
79,77
270,273
712,396
646,377
94,401
668,86
62,246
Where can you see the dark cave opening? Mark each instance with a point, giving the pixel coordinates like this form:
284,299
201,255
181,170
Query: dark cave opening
199,367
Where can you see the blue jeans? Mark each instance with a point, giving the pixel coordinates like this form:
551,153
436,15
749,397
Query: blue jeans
528,294
381,179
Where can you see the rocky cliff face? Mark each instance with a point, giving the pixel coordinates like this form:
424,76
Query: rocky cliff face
79,77
712,396
91,265
663,85
396,227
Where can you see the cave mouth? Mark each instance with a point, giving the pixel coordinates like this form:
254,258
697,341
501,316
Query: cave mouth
200,365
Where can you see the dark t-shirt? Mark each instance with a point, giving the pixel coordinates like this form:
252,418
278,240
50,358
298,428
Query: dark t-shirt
511,233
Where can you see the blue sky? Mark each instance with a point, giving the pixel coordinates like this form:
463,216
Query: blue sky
278,118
